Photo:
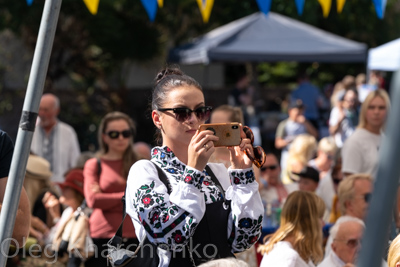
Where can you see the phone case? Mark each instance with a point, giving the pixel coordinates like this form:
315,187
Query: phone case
228,133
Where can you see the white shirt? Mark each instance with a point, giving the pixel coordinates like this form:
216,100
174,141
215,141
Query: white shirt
346,127
283,255
183,209
360,152
326,191
332,260
66,149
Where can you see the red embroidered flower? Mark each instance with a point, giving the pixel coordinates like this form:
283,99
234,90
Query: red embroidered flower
168,149
253,239
188,179
155,151
147,200
177,236
236,180
154,217
206,183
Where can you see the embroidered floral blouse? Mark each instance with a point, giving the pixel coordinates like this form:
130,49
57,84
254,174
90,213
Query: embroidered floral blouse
171,219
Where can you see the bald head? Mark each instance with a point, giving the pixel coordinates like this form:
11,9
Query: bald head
48,111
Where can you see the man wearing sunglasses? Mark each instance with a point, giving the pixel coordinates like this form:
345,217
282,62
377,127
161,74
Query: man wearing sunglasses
272,189
354,194
346,237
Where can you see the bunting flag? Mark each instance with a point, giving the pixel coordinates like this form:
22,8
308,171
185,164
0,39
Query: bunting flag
326,6
160,3
300,6
340,5
29,2
380,6
205,8
92,5
151,8
264,5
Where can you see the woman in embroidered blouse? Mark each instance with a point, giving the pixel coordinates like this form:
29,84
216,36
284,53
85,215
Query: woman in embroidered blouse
104,193
298,240
192,224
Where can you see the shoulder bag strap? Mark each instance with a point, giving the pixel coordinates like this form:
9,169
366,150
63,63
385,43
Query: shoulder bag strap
218,185
116,240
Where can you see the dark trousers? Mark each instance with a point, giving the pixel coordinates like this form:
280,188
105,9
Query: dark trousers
99,259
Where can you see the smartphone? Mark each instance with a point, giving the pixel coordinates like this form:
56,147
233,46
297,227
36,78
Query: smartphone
228,133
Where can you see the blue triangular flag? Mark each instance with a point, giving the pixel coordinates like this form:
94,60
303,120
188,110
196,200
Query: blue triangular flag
264,6
299,6
378,8
151,8
29,2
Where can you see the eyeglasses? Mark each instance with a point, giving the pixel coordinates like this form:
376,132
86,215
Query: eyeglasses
259,154
366,196
352,243
271,167
115,134
183,114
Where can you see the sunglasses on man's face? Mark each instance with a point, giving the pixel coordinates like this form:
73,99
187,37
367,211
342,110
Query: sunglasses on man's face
366,197
271,167
183,114
259,154
351,243
115,134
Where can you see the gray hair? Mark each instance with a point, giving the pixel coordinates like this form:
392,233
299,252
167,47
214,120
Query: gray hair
335,228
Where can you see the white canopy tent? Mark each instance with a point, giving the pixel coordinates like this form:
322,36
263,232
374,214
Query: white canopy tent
385,57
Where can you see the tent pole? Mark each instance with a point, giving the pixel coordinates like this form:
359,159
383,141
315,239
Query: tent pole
383,199
34,92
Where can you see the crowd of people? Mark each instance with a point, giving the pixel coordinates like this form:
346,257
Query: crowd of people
263,208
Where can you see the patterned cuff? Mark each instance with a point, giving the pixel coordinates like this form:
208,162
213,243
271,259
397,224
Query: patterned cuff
193,176
245,176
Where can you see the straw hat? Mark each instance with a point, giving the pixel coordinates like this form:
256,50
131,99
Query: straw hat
38,168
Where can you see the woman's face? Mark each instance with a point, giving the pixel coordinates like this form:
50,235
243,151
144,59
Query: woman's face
121,143
68,198
376,113
176,132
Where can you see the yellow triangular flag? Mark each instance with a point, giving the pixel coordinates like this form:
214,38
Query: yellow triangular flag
340,4
205,8
326,6
160,3
92,5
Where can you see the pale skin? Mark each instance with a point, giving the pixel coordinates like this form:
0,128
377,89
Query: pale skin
48,112
185,140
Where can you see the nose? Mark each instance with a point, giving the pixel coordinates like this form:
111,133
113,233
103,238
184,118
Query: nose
192,117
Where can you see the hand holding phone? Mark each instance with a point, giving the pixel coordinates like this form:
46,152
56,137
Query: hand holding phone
228,133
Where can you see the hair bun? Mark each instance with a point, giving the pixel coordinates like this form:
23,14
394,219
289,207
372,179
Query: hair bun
166,72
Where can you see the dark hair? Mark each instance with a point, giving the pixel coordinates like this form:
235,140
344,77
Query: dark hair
165,81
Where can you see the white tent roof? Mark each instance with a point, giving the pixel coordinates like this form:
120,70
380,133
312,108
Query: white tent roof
385,57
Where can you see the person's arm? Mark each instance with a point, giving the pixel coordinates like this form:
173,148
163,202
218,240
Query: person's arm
23,217
352,158
168,219
94,198
244,225
335,119
280,142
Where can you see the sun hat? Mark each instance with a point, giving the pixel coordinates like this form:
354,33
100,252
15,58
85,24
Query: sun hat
38,168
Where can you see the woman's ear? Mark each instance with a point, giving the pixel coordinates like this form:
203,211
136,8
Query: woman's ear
156,119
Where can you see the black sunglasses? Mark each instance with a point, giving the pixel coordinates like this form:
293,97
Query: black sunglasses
115,134
336,180
259,154
271,167
183,114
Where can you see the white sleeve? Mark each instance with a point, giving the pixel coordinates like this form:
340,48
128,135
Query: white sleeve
352,158
333,117
244,224
166,219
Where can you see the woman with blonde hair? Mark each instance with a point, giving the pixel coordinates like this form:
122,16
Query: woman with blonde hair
360,150
393,259
298,240
105,182
301,151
